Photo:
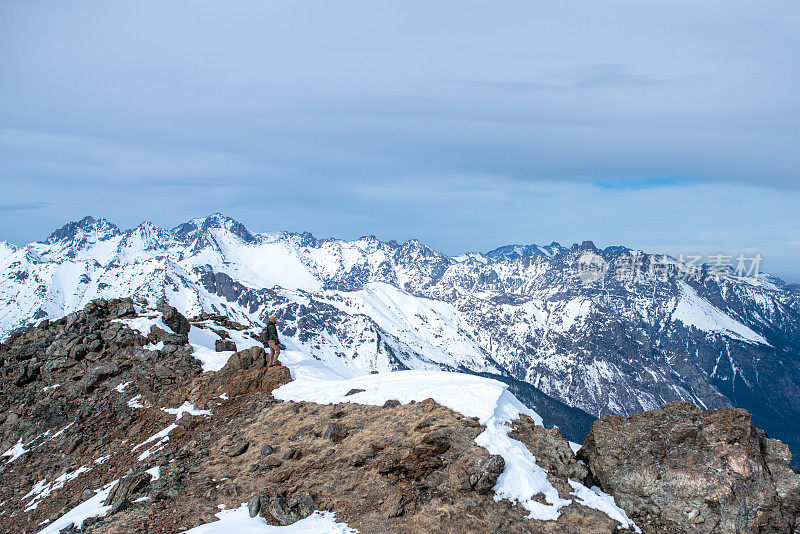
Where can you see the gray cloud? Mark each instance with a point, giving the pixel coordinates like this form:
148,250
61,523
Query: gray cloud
601,75
25,206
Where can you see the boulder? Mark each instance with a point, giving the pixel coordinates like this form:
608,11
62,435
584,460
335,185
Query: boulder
162,372
303,503
121,308
291,510
121,494
484,476
247,371
175,340
222,345
681,469
254,505
21,377
252,358
235,448
96,375
173,318
335,432
282,512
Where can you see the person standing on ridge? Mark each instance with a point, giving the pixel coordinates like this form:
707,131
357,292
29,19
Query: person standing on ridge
270,336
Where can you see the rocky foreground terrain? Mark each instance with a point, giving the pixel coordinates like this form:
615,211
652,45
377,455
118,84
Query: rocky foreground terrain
89,404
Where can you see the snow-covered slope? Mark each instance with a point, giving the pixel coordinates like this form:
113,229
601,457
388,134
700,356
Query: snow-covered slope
693,310
620,343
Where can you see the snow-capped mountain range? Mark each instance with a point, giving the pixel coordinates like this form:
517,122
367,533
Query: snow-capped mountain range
647,330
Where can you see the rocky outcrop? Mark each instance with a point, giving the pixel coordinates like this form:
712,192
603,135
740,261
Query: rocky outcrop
247,371
126,490
681,469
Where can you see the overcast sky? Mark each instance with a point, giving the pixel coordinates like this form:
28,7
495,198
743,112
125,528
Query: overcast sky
667,126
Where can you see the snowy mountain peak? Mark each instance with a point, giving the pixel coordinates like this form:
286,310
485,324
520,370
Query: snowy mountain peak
101,228
305,239
517,252
145,237
616,249
199,228
418,250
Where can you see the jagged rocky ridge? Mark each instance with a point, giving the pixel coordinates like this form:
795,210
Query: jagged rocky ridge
83,393
619,344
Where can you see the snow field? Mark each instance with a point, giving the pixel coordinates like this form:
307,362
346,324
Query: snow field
693,310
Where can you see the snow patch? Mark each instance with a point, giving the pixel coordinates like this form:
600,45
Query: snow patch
522,478
186,407
121,387
16,451
162,437
238,521
43,488
92,507
142,324
595,498
154,472
203,341
136,402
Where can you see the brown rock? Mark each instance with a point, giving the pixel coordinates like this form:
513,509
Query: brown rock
681,469
236,448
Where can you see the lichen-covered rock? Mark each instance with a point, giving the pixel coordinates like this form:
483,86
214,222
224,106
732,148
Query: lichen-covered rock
124,491
254,505
335,432
681,469
485,475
